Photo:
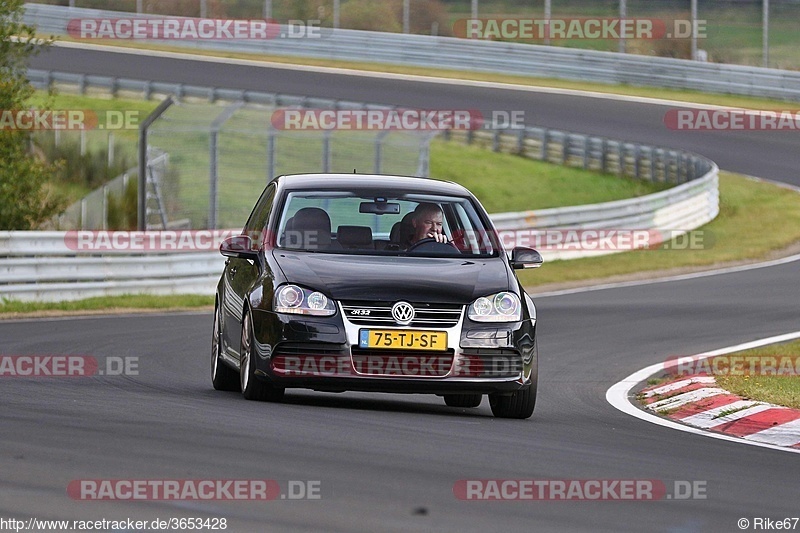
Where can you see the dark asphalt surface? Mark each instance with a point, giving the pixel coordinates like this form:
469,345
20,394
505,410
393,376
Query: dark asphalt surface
389,462
774,155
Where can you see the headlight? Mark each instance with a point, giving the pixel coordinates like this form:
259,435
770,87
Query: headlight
500,307
299,301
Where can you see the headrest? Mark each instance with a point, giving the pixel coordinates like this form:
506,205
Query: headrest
403,231
309,228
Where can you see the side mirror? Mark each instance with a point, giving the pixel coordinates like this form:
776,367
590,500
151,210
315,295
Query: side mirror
522,257
241,246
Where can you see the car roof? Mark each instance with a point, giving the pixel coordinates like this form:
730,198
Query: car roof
361,181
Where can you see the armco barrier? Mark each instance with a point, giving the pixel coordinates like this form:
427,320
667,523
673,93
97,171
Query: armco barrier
483,56
41,266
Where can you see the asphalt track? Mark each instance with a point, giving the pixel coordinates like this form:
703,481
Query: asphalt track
389,462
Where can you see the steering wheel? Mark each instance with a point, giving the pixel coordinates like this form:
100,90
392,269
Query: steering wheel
430,244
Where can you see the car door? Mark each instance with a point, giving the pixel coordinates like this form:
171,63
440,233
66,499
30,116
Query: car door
241,274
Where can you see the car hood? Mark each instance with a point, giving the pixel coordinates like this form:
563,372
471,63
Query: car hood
419,279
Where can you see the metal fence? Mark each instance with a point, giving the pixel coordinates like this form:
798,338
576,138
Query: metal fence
223,148
44,266
486,56
222,156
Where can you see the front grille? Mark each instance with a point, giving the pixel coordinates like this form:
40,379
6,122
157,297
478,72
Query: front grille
310,359
308,348
422,364
380,314
492,363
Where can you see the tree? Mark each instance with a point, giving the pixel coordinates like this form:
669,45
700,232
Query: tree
25,197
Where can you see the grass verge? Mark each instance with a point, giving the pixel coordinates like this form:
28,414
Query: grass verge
755,219
126,302
777,389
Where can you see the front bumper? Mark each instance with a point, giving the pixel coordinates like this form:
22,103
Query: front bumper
323,354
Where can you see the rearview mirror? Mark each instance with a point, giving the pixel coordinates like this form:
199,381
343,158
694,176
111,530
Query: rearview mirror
240,246
379,208
522,257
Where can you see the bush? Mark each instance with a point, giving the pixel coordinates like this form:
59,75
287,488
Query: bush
91,169
123,210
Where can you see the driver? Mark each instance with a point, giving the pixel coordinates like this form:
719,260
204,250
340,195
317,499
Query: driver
427,222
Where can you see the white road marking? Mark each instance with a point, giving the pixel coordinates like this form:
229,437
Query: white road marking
682,277
711,418
678,385
787,434
687,397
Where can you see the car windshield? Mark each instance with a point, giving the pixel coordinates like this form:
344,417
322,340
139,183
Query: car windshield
383,224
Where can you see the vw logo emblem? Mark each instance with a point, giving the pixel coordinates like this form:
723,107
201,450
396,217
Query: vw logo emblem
403,313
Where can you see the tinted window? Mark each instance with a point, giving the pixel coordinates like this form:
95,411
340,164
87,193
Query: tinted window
372,223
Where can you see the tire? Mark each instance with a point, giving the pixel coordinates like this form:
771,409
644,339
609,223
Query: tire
519,404
252,387
463,400
223,377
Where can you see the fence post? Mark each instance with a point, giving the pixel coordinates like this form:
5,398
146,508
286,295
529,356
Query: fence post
105,207
586,152
378,165
270,153
544,147
326,151
141,223
110,149
604,155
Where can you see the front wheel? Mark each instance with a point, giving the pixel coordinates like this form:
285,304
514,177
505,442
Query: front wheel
519,404
252,388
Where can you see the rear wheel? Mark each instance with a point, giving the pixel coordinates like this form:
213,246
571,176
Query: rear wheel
463,400
252,388
223,377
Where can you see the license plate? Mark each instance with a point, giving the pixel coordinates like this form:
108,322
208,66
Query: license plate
405,339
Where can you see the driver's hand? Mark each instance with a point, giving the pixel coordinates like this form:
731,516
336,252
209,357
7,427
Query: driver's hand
440,237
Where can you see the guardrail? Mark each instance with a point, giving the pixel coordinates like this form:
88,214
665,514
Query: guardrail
692,202
43,266
484,56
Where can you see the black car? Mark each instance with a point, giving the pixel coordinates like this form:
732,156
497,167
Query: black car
333,286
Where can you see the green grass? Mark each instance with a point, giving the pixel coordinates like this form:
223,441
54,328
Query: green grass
106,303
505,182
780,390
755,219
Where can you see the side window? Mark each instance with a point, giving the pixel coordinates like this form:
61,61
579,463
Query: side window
258,218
